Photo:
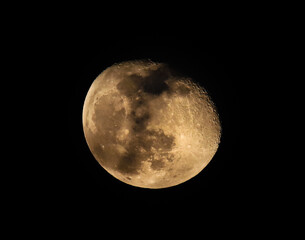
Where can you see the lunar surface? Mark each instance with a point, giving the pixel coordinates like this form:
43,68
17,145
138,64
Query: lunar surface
148,126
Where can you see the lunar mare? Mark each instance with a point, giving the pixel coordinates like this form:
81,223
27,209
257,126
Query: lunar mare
148,126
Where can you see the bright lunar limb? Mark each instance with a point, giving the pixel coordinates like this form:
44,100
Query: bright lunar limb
149,127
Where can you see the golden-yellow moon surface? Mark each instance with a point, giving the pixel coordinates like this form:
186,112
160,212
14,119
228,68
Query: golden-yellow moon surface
148,126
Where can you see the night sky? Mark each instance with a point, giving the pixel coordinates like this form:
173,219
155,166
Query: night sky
57,51
222,67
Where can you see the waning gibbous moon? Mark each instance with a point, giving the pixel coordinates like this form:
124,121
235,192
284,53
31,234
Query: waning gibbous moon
148,126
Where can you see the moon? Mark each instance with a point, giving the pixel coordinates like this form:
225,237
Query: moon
149,126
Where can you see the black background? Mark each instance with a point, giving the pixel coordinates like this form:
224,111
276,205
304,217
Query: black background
56,52
222,64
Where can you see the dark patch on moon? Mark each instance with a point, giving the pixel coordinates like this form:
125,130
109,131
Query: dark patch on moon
157,164
129,163
154,83
182,90
144,147
140,120
130,85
